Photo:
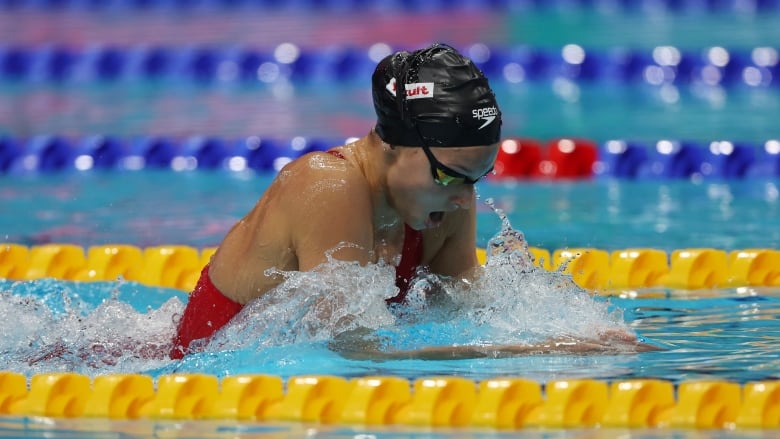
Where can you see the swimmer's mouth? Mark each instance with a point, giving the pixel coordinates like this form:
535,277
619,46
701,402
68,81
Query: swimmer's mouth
435,218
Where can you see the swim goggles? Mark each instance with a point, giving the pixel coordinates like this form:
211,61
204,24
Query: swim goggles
442,174
446,176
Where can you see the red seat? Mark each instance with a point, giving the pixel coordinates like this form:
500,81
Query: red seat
518,158
569,158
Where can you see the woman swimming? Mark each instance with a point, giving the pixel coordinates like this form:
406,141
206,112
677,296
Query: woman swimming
402,194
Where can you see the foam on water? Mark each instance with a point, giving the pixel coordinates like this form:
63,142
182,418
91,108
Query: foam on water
310,306
90,328
105,327
509,301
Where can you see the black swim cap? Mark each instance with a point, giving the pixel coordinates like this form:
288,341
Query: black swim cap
448,101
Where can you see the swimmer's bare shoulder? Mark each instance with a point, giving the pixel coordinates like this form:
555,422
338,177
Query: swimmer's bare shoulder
327,203
313,204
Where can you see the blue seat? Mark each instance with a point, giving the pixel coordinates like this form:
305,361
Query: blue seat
106,151
621,159
44,153
208,152
728,160
671,159
9,151
150,152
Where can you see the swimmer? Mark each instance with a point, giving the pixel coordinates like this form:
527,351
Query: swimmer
403,193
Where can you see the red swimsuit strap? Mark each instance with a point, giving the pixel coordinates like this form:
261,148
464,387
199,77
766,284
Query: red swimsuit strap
336,153
411,258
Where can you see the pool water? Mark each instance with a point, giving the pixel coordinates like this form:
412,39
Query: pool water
599,111
721,333
113,327
198,208
726,334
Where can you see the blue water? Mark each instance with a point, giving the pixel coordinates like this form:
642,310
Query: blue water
721,334
540,109
727,333
198,208
108,327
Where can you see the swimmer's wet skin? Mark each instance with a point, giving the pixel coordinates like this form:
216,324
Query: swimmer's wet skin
360,345
408,189
434,107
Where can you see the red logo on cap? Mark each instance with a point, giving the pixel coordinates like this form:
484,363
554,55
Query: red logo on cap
417,90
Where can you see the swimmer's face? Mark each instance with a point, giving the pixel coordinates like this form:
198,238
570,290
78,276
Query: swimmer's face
426,185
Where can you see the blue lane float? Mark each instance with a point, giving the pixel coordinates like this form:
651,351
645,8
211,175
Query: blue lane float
767,162
710,66
669,159
9,151
151,152
99,152
203,152
621,159
43,153
519,158
270,155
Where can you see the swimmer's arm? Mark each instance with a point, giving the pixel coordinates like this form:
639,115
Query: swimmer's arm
457,256
370,349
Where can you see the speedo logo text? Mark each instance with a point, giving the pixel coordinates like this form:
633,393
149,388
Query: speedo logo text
486,114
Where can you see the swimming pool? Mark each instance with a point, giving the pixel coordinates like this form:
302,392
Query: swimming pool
721,333
718,332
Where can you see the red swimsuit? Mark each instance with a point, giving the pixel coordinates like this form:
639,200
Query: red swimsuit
208,309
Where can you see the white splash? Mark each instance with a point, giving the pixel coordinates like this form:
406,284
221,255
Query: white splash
54,330
509,301
316,305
